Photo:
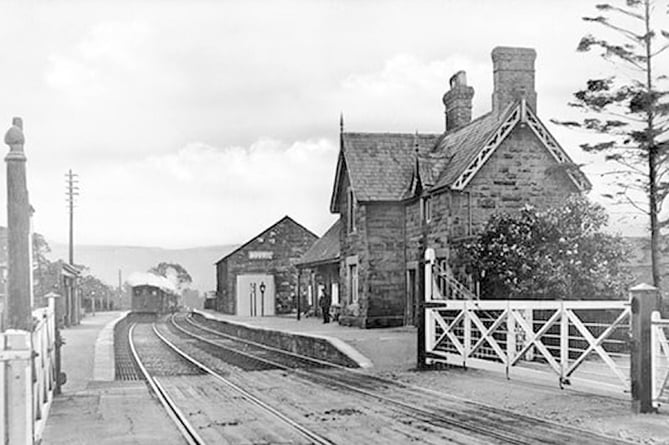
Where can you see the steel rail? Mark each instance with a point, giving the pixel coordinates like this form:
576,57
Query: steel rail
314,437
185,428
379,379
459,424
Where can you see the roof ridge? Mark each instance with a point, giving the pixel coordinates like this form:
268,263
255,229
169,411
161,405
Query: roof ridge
390,133
253,238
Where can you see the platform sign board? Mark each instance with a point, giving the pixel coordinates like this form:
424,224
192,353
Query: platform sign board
261,255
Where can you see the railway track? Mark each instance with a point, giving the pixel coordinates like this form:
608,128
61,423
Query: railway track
426,409
160,360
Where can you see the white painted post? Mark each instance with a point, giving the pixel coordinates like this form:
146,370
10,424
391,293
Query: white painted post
429,279
3,391
510,338
18,380
528,315
564,343
429,317
467,323
654,353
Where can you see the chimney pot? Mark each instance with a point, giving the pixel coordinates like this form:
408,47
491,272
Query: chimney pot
458,102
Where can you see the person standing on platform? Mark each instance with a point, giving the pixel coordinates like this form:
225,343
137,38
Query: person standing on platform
325,303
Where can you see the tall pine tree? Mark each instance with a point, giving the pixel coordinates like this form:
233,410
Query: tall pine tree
630,107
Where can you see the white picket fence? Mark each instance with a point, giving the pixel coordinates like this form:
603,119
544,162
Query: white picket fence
27,378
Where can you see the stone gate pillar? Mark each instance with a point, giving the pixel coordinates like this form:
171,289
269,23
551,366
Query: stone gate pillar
18,312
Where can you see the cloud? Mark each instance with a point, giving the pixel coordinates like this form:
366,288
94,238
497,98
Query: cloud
408,90
203,195
108,55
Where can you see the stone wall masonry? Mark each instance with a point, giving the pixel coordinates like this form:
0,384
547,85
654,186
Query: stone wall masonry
438,228
385,277
515,175
287,242
351,244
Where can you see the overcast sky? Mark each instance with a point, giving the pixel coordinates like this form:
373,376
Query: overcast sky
199,123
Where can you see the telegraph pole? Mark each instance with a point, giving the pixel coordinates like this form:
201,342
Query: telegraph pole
71,191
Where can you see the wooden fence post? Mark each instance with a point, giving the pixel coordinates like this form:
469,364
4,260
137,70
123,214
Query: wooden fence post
643,299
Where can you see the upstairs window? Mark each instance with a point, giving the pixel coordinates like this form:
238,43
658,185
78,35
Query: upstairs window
350,213
352,283
426,209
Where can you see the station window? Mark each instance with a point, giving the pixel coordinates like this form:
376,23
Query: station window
426,209
351,211
353,283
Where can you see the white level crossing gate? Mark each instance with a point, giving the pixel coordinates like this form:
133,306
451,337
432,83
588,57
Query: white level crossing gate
660,359
582,343
575,341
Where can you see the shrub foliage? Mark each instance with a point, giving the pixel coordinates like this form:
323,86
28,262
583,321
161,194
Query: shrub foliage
560,253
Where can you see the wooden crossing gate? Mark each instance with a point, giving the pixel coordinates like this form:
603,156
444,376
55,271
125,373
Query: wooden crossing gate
584,343
660,359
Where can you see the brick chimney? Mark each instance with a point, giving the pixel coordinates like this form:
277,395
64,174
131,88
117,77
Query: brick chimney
458,102
513,74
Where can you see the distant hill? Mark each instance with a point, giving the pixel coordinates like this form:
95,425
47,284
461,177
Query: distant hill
104,262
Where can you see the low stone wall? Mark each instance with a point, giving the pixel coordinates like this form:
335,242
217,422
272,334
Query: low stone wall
319,347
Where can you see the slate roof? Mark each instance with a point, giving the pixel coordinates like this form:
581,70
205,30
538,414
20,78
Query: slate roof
380,165
383,166
324,250
458,148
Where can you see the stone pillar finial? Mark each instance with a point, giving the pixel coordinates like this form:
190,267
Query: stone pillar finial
15,139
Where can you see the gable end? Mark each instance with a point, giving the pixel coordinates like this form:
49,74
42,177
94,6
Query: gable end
521,113
488,148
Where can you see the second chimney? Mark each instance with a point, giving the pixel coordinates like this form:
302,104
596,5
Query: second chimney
458,102
513,74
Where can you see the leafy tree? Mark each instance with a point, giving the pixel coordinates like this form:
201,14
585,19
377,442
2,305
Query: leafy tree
560,253
176,272
630,108
46,274
94,288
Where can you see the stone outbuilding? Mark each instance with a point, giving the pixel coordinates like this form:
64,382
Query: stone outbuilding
399,193
259,278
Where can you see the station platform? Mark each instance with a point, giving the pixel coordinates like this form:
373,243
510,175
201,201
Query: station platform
95,409
381,348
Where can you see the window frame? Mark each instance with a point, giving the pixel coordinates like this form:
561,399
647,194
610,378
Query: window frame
426,209
350,211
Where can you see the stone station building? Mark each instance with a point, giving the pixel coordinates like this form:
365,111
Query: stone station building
259,278
394,192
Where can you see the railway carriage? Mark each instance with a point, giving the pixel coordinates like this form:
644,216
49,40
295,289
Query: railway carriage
152,294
